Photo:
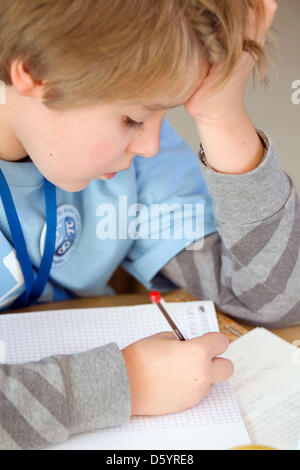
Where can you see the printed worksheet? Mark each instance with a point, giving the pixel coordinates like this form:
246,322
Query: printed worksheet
267,384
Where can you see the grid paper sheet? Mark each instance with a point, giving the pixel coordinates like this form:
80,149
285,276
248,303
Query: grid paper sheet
33,336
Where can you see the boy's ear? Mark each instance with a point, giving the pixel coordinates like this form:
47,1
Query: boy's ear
22,80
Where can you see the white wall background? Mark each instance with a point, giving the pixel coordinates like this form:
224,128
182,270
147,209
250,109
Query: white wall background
271,110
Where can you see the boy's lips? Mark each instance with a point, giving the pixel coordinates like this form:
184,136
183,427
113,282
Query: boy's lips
114,172
111,175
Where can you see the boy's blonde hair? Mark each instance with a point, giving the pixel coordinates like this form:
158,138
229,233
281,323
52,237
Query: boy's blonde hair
91,51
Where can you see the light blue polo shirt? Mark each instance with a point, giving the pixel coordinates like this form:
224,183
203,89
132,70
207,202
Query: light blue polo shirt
140,219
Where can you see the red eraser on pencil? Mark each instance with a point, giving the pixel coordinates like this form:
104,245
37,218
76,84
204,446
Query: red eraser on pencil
155,296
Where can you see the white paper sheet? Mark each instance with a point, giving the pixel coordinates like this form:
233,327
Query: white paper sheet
215,423
267,384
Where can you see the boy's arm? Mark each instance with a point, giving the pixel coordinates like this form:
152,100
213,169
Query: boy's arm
251,266
43,403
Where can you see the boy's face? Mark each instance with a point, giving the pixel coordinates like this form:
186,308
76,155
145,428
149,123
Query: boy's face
74,147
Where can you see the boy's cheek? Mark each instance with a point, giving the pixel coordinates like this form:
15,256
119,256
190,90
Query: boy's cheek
105,151
73,169
99,150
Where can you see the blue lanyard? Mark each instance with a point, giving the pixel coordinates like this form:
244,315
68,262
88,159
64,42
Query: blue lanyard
34,286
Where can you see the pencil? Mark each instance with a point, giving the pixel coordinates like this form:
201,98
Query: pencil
155,298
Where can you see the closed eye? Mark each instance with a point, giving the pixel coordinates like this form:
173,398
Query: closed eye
134,124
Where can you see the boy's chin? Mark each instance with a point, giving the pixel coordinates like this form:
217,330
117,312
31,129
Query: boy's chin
76,186
72,187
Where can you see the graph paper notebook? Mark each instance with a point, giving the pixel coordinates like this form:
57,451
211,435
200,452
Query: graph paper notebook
215,423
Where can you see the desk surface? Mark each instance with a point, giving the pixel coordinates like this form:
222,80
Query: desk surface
231,328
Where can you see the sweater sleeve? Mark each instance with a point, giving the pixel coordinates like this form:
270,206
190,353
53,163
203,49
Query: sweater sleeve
250,267
44,403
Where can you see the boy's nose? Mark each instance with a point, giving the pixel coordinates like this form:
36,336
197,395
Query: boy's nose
148,148
148,155
147,143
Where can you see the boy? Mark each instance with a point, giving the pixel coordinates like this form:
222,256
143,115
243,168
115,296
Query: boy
77,73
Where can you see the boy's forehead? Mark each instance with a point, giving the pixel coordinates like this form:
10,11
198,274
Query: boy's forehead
169,102
163,104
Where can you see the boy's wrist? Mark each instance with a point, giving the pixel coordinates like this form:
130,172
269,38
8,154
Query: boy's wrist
128,359
261,135
231,146
252,197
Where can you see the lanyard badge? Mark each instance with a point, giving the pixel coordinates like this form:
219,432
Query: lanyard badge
35,285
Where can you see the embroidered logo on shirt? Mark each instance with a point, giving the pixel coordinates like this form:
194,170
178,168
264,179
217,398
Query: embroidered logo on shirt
68,233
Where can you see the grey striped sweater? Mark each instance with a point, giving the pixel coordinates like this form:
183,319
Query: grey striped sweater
250,268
